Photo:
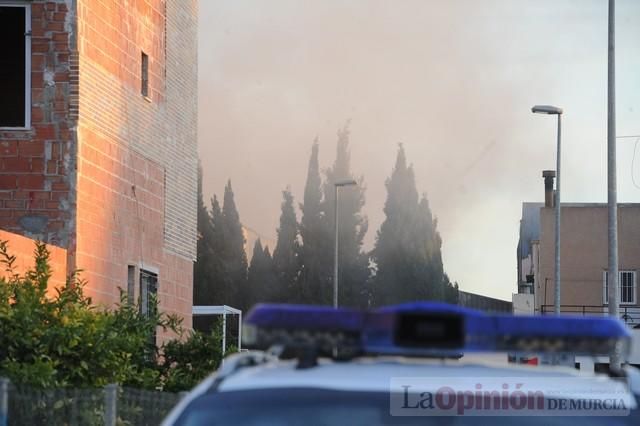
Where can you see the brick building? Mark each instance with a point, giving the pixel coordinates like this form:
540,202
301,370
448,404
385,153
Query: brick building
98,140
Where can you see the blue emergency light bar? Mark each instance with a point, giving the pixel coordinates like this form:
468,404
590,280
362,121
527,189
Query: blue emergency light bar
429,329
303,326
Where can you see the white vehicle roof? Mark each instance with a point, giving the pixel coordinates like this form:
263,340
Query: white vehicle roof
374,374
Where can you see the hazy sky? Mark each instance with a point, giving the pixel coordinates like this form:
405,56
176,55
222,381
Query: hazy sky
453,81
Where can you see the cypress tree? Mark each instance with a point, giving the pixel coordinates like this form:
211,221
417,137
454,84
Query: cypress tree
203,291
285,255
434,277
219,280
315,250
269,279
451,291
234,255
211,285
407,252
261,277
352,224
394,237
255,274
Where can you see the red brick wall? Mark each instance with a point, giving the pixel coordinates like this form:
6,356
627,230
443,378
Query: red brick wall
94,138
120,222
123,166
34,163
162,127
114,33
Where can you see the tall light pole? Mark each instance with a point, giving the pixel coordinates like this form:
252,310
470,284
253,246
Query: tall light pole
552,110
337,185
615,359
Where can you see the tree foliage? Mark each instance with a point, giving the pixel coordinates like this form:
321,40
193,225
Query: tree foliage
316,243
220,271
407,252
352,225
233,253
405,264
63,340
285,255
262,279
207,269
185,363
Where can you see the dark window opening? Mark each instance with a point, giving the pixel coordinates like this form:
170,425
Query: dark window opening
148,291
148,296
13,66
131,284
144,79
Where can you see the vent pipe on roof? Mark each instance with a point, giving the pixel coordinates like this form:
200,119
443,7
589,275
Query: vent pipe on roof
549,176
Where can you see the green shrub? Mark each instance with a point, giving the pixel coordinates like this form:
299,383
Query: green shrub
187,362
66,341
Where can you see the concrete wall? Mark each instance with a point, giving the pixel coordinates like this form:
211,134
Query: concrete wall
523,304
484,303
584,251
23,249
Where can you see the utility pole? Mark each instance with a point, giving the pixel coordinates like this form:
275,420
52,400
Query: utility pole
615,359
553,110
336,185
335,249
557,304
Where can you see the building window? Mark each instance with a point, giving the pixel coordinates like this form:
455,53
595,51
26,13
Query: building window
148,292
148,298
626,287
15,66
144,75
131,284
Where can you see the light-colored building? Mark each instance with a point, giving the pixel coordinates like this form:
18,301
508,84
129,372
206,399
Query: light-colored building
584,258
528,247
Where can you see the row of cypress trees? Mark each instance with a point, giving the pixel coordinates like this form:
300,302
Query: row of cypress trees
405,264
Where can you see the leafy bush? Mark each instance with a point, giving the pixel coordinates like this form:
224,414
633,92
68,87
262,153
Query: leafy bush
187,362
65,341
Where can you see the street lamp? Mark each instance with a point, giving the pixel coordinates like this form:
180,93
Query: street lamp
552,110
336,185
615,360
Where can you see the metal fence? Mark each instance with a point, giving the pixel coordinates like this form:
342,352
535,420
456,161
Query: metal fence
112,405
629,314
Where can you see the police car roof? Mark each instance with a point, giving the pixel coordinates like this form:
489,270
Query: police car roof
374,374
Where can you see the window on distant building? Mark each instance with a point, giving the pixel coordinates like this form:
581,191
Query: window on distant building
15,66
626,287
144,75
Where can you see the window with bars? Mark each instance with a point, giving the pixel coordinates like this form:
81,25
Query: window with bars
148,296
148,291
626,287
